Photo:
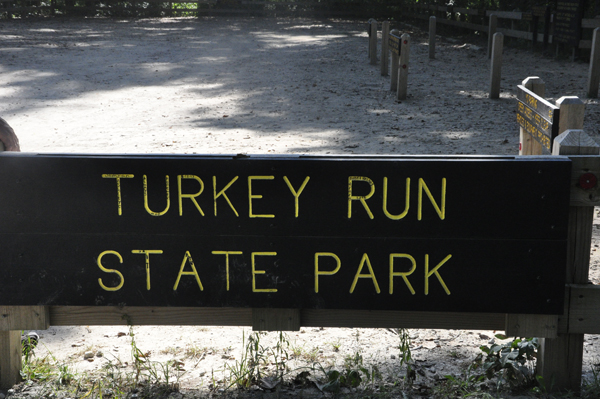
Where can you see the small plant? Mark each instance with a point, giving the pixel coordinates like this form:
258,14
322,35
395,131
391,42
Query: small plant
406,355
468,383
512,362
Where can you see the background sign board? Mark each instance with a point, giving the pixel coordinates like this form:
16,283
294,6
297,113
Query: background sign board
567,24
537,117
394,43
390,233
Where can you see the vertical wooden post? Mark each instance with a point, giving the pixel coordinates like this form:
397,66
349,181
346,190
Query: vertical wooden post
394,72
373,42
403,67
432,37
10,358
560,359
594,72
385,52
547,22
496,67
491,31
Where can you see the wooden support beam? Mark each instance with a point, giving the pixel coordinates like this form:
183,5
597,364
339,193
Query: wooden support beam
594,71
10,358
266,319
496,65
385,51
560,359
373,41
24,318
403,67
493,25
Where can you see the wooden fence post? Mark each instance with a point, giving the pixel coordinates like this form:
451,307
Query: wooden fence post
385,52
491,31
403,67
13,320
496,67
594,72
373,41
560,359
432,37
395,61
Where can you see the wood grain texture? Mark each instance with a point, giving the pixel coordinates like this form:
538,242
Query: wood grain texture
89,315
583,311
10,358
560,359
24,318
264,319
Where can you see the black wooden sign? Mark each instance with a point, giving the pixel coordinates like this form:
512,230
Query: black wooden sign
537,117
397,233
394,43
567,24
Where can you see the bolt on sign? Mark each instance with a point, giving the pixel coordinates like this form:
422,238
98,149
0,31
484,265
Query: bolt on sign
537,117
362,232
394,42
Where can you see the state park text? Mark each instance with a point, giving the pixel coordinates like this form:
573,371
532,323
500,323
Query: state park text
396,233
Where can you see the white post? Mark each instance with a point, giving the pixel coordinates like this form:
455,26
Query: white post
385,52
403,67
491,31
432,37
373,42
594,73
496,68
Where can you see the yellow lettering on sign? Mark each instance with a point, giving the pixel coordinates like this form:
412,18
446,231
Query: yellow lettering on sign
222,193
146,198
190,196
371,275
147,253
227,253
255,272
256,196
118,178
440,211
325,273
403,274
362,198
118,273
296,194
188,259
437,274
406,201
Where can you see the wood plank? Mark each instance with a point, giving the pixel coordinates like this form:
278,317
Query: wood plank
590,23
264,319
560,359
583,310
24,318
10,358
543,326
581,166
402,319
144,316
90,315
516,15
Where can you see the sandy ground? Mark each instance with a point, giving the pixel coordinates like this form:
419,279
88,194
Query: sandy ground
233,85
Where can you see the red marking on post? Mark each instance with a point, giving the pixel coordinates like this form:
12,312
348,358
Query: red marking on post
406,42
588,181
520,146
404,66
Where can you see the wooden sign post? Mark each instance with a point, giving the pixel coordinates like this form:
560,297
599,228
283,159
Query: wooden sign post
394,46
